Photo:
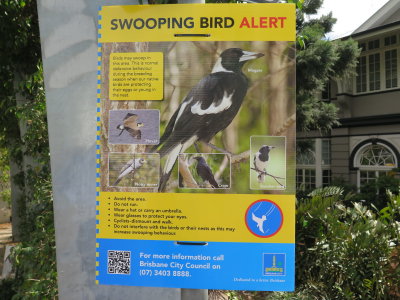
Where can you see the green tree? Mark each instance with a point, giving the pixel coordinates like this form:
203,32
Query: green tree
23,132
318,61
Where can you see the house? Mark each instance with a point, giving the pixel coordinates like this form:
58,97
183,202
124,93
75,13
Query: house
367,143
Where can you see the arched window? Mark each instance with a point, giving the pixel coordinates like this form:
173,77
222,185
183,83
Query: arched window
374,160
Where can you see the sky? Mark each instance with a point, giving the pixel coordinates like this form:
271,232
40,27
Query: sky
350,14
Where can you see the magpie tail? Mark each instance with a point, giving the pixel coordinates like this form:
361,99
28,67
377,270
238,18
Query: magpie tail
117,181
163,181
172,156
167,132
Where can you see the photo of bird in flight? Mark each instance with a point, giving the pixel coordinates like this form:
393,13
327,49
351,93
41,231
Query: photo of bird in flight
259,221
131,125
205,172
207,109
260,161
130,168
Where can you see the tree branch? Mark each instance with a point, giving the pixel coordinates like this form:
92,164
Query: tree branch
241,157
221,168
265,173
187,177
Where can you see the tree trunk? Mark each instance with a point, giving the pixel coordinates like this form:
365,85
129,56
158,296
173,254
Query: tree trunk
278,95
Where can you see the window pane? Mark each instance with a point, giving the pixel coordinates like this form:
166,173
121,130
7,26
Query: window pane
391,68
367,176
374,72
390,40
361,79
299,178
326,93
326,152
309,179
305,179
326,177
373,44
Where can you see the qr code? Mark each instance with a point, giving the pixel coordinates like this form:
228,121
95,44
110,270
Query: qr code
119,262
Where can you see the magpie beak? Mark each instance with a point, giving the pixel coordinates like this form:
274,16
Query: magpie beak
260,161
129,124
209,108
205,172
129,168
249,56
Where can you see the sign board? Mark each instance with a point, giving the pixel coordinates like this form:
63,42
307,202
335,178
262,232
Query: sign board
196,146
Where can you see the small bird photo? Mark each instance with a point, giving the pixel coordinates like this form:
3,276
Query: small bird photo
138,170
204,171
134,126
268,162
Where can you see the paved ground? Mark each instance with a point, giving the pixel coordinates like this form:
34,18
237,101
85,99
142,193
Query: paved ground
5,233
5,238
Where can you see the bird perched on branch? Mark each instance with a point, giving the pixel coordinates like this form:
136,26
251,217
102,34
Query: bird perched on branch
209,108
261,161
205,172
131,125
130,168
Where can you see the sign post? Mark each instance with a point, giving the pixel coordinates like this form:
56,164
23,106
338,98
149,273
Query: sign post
196,146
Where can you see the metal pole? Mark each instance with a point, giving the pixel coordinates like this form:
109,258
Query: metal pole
193,294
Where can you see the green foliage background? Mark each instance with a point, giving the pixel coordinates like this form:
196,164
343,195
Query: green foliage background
21,75
345,249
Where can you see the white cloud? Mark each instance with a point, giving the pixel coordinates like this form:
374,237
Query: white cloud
350,14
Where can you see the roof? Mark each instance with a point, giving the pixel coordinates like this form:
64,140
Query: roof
386,15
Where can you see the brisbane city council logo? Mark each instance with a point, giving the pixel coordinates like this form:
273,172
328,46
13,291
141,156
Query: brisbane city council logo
264,218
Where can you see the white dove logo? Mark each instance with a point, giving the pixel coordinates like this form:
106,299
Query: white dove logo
259,221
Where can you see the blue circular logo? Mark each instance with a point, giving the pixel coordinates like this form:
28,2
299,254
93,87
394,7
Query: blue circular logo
264,218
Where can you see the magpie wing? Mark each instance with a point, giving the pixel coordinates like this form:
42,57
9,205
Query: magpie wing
210,90
202,92
169,128
130,122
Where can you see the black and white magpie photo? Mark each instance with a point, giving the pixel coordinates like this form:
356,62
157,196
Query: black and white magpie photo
205,172
268,162
260,161
208,108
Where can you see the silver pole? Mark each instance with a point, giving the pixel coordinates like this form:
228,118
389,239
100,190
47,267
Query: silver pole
193,294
